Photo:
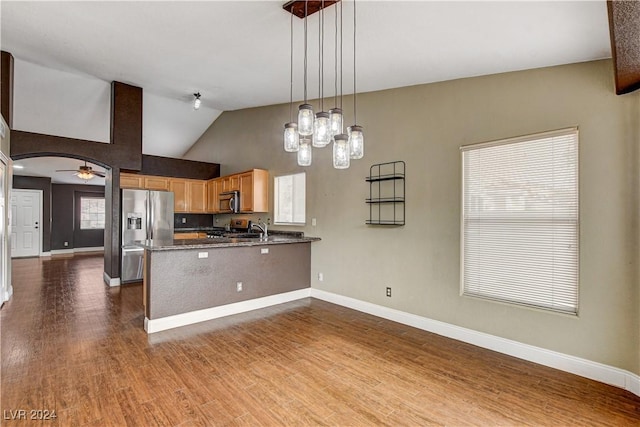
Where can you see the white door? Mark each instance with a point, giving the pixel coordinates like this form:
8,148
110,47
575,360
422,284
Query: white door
25,223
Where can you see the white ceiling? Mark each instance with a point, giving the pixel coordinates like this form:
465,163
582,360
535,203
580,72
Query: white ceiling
49,167
236,53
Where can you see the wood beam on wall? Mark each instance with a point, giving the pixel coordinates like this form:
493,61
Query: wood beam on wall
6,87
624,29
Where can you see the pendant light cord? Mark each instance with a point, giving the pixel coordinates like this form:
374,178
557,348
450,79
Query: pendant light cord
305,50
341,71
335,59
291,71
321,56
355,108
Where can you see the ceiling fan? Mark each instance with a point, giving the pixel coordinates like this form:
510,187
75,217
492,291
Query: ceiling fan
84,172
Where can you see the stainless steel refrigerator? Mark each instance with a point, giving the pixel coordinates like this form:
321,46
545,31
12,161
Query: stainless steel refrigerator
147,216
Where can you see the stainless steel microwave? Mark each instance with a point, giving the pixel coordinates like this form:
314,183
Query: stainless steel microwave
229,202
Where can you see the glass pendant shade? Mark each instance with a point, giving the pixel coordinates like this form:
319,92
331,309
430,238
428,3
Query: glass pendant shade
305,120
356,142
304,152
291,138
341,154
321,130
335,121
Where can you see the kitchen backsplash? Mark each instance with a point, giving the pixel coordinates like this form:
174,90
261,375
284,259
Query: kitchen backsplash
184,220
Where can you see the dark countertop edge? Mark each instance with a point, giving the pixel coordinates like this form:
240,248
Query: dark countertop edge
213,244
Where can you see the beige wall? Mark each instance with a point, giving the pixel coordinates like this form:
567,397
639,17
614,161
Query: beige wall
425,126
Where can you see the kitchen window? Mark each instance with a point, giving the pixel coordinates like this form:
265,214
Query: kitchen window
290,199
91,213
520,220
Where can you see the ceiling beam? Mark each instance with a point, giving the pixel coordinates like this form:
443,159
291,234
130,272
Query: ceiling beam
297,7
624,29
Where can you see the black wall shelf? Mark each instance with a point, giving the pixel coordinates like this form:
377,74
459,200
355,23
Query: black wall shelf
386,193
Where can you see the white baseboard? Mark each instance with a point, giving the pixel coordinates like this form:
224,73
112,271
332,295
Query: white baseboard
6,295
61,252
169,322
111,281
90,249
564,362
75,250
45,254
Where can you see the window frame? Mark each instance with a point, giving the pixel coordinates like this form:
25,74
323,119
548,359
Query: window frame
563,133
276,199
91,197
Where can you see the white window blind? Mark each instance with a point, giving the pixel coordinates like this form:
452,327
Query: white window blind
520,220
290,199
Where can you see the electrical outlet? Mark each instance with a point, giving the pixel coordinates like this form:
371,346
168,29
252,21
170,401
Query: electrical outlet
388,291
314,222
320,277
66,244
184,220
239,287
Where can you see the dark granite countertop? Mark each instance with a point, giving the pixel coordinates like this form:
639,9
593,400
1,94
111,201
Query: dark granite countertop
223,242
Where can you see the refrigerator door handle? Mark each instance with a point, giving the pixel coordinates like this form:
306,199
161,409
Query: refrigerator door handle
150,216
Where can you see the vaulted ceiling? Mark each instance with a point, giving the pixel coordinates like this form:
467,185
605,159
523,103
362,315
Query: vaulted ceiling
236,54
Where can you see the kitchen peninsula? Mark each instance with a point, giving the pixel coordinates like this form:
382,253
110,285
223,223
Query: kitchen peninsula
192,280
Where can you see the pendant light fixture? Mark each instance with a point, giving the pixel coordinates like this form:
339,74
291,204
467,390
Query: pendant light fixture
321,129
291,136
305,111
318,130
304,152
335,114
356,134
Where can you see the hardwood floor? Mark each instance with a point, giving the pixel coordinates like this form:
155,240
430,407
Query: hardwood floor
72,345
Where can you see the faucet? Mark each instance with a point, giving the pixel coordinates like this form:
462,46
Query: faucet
263,227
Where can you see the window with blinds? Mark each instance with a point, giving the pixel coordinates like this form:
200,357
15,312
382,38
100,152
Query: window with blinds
520,221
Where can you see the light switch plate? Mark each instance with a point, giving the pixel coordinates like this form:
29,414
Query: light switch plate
264,250
203,254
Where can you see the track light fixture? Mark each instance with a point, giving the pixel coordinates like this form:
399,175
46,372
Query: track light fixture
196,101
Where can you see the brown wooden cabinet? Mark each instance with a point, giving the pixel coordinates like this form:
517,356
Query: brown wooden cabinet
214,187
180,194
130,180
254,191
196,196
156,183
230,183
189,235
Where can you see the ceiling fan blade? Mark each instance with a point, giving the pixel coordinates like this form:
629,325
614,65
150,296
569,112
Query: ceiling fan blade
100,174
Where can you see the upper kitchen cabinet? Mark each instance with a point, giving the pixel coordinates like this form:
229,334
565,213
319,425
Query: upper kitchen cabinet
130,180
214,187
144,182
159,183
180,194
189,195
230,183
197,196
254,191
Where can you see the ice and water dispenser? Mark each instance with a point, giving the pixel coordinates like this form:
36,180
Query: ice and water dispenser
134,221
